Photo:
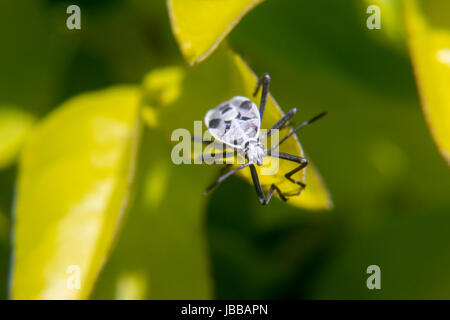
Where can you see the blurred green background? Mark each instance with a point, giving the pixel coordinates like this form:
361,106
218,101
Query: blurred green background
390,186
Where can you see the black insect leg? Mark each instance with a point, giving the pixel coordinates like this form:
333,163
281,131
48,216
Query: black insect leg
226,175
304,124
264,81
223,156
301,160
200,139
282,122
259,191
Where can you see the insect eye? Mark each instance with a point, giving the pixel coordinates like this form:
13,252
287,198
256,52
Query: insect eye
214,123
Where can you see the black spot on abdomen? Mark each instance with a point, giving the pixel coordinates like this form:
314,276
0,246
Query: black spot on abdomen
214,123
246,105
225,109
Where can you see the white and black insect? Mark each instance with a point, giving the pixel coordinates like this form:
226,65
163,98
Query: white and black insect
237,124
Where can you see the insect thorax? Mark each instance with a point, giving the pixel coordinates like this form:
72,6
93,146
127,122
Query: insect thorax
254,152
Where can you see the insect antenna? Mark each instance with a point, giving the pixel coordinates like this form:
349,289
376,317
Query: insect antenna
304,124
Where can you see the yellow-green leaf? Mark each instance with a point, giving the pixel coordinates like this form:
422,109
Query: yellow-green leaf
73,187
272,114
223,76
160,87
428,26
200,25
164,231
14,127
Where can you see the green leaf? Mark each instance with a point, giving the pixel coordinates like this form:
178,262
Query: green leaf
200,25
223,76
73,187
14,127
428,25
161,253
4,227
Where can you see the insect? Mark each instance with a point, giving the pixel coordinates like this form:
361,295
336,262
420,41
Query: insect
237,124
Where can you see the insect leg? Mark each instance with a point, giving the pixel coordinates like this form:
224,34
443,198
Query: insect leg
226,175
259,191
280,123
304,124
301,160
225,155
200,139
264,81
